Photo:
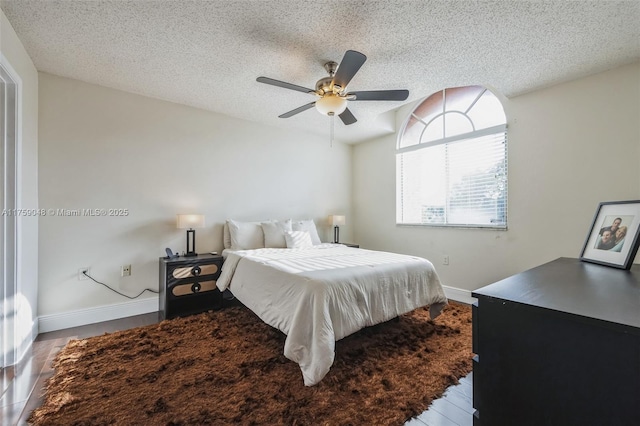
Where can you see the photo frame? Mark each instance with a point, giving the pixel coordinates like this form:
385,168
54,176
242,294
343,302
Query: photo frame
614,236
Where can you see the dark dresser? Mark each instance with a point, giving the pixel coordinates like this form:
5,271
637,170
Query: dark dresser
558,344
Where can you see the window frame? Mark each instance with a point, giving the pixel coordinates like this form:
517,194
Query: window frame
474,134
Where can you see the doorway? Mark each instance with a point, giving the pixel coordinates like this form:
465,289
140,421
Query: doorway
9,219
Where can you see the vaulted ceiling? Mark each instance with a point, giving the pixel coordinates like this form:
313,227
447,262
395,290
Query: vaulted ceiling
208,54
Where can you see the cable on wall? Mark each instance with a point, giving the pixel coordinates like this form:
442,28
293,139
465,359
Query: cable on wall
116,291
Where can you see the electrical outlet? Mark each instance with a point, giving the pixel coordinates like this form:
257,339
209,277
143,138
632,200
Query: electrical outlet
82,276
445,260
125,271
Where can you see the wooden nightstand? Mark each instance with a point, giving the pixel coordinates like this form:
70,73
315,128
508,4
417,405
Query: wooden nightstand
188,285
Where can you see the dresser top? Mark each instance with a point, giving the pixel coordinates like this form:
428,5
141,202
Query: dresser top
575,287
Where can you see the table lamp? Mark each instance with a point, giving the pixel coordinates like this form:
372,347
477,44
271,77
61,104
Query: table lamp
336,221
190,221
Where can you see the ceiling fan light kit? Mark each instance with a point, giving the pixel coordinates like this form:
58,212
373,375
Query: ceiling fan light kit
332,92
331,104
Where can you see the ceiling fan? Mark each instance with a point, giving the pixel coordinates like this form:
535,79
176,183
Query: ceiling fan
332,90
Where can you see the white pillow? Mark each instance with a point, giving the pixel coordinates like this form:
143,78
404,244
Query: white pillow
309,226
298,239
245,235
226,235
274,233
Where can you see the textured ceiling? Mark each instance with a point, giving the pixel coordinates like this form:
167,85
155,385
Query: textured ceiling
208,54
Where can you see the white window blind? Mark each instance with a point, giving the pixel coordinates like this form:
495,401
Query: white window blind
456,183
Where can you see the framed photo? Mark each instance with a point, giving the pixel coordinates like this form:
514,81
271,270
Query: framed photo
615,235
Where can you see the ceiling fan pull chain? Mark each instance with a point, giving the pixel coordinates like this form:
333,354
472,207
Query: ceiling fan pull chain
332,117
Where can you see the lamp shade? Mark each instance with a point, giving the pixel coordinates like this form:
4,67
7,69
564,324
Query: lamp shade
331,104
190,221
337,220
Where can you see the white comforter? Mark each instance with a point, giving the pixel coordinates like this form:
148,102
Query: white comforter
319,295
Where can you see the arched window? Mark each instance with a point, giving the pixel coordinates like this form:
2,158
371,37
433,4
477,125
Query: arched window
451,161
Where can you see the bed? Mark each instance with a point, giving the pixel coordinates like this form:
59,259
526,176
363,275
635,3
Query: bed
319,293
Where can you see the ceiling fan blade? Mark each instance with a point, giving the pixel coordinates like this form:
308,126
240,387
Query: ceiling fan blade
347,118
351,63
271,81
297,110
380,95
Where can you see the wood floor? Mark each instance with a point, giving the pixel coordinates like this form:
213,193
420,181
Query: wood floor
24,382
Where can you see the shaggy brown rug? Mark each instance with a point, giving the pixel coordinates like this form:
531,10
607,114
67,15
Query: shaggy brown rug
227,367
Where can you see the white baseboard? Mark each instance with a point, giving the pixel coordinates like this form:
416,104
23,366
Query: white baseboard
93,315
459,295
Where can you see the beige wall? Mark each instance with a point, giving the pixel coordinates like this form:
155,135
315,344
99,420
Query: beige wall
103,148
15,54
571,146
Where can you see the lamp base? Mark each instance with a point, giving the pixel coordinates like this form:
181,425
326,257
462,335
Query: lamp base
191,243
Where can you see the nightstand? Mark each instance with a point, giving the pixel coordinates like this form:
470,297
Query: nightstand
188,285
350,245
